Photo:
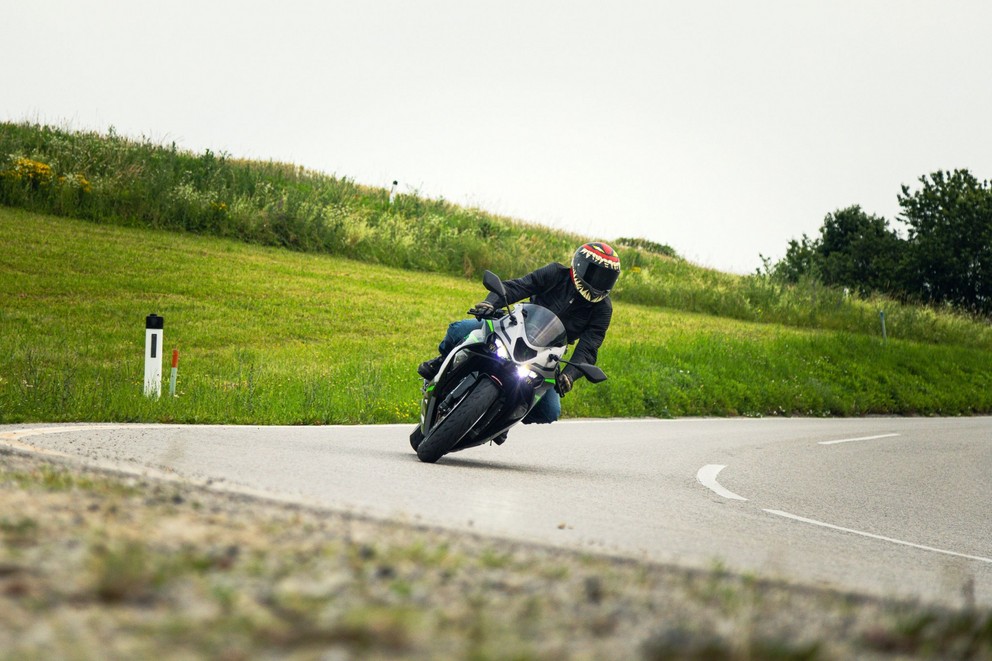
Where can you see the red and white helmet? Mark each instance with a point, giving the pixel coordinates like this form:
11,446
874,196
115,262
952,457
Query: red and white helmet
595,269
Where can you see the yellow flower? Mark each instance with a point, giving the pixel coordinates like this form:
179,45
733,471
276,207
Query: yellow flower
34,172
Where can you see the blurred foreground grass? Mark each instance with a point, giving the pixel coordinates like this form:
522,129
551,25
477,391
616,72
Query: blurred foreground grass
97,565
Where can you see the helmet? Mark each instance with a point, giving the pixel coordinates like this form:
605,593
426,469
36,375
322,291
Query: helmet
595,269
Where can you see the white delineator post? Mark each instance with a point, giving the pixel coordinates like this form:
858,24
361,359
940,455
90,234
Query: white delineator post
154,325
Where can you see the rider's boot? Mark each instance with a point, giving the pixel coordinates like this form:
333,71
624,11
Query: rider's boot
429,369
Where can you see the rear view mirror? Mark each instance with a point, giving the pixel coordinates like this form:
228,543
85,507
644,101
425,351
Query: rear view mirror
591,372
492,282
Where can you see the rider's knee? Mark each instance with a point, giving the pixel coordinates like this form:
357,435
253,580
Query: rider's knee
457,330
543,415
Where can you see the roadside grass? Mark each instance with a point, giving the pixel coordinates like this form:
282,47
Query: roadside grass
263,334
269,336
116,180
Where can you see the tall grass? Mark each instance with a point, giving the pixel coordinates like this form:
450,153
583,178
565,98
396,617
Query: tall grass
109,178
268,336
118,180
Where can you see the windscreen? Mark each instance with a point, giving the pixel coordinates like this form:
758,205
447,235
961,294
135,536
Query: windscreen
542,327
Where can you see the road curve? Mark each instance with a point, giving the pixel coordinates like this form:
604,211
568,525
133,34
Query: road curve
889,506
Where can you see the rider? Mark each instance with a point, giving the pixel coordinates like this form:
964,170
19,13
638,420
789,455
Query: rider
579,295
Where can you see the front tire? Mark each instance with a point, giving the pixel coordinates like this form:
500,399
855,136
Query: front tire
416,436
456,424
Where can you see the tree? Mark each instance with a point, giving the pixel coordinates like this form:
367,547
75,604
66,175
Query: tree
950,240
858,250
854,249
799,261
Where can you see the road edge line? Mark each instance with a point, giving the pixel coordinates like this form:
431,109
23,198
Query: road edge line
891,540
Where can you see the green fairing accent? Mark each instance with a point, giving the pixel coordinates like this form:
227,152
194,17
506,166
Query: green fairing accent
489,322
431,387
550,381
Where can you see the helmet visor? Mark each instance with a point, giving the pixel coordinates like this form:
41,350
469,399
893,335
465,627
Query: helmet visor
600,278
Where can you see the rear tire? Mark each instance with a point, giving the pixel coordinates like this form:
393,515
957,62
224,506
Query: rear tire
453,428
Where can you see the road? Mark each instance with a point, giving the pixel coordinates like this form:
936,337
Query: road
894,507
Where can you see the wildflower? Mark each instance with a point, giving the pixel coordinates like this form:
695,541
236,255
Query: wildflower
33,173
77,181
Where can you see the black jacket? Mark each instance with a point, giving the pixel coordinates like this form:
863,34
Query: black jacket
551,286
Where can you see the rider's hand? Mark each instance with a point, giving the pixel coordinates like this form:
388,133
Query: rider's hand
483,309
563,383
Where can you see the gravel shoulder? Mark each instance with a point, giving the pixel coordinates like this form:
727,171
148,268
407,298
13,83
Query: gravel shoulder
95,564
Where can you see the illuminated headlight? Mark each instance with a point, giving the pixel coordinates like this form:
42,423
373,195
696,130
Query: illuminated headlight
500,349
525,372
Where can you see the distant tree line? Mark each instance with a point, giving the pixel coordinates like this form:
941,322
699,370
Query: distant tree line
946,259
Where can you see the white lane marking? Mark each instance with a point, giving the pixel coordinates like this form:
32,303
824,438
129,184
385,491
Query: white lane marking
707,477
14,434
879,537
852,440
12,437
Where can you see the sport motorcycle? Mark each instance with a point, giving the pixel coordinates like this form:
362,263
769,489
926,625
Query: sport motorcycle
492,380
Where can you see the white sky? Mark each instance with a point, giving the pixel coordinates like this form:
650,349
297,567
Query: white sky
722,128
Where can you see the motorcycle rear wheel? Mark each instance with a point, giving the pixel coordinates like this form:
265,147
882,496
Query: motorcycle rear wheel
456,424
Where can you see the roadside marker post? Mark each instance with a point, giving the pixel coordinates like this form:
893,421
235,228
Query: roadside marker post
172,377
154,328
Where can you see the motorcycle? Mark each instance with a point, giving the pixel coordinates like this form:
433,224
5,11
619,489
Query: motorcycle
492,380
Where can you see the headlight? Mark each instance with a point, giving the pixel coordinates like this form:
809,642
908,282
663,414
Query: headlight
500,349
524,372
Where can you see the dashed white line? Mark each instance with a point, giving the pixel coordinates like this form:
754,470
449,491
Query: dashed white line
878,537
852,440
707,477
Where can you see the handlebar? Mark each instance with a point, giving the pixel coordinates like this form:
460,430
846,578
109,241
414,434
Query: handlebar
498,313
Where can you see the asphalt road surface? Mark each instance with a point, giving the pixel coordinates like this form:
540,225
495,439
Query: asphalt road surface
898,507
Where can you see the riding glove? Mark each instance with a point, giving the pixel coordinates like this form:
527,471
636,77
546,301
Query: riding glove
563,383
483,309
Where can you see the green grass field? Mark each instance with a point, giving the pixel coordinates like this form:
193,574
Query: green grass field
271,336
115,180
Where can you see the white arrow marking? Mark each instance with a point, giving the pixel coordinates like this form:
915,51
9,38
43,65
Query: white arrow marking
707,477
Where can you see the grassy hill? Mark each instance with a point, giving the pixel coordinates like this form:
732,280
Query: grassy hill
268,335
116,180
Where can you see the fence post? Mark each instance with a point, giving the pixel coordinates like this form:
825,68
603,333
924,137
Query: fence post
885,337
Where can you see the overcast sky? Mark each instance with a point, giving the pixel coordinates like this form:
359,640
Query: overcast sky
722,128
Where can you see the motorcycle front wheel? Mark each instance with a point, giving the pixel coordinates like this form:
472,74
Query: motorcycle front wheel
456,424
